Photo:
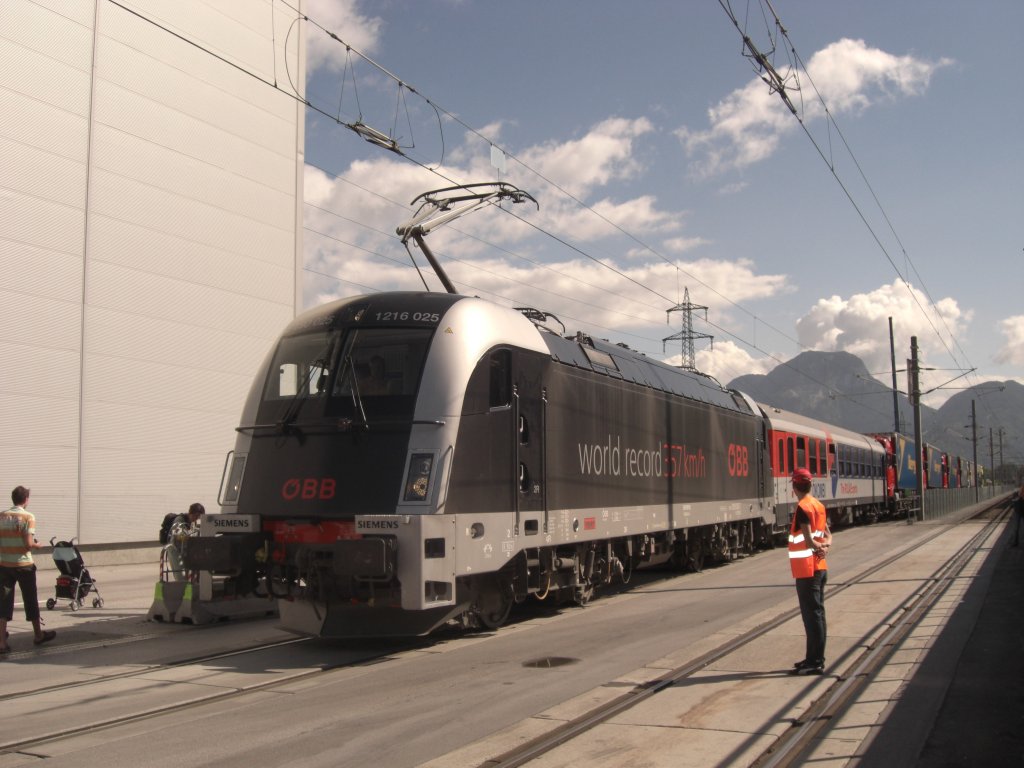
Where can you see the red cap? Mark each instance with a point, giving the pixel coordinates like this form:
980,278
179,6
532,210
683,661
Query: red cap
801,475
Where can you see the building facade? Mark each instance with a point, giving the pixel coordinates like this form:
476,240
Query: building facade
150,247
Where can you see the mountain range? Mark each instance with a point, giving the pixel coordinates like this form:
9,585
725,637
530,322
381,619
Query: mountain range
836,387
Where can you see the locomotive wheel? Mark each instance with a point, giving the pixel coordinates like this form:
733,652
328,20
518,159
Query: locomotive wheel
494,602
695,555
581,594
747,546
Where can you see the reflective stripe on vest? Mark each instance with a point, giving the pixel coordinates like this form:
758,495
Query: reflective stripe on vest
802,561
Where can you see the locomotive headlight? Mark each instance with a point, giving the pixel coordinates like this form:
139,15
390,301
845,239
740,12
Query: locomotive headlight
418,482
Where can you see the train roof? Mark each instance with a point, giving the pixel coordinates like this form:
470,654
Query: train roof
597,355
788,420
620,362
362,309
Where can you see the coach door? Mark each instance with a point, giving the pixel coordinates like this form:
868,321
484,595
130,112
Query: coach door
529,402
764,470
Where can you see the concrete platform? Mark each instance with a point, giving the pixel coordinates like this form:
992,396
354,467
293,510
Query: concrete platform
951,695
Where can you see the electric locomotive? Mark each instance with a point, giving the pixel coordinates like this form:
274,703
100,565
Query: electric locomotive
901,467
409,459
406,459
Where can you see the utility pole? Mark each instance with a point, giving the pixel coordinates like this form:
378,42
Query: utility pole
895,388
991,456
1001,465
974,439
687,334
915,403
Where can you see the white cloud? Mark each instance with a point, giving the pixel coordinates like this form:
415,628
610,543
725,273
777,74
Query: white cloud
604,154
859,325
639,216
359,252
732,188
1012,351
747,125
725,360
372,197
683,244
849,75
342,18
351,248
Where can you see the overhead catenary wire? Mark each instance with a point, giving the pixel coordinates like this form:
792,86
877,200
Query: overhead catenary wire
403,84
590,323
776,81
388,142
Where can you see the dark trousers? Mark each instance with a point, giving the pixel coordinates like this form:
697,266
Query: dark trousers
811,593
25,579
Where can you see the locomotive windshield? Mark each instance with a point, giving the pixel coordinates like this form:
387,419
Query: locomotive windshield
357,374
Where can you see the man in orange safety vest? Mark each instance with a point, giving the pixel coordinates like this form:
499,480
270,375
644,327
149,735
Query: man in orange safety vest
809,542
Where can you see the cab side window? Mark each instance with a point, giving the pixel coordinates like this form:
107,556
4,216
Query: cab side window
500,379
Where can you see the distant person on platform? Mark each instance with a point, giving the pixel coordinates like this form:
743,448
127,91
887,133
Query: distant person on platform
193,516
809,542
17,540
178,528
1018,508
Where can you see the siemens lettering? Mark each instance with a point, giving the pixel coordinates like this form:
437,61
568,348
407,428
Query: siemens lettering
371,524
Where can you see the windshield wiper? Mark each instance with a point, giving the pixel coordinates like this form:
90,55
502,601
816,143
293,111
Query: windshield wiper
286,424
348,367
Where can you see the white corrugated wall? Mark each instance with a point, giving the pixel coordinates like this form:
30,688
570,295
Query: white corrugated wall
150,249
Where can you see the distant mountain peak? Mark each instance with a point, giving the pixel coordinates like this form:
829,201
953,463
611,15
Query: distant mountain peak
834,387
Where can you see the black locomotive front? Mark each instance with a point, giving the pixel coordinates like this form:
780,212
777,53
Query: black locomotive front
325,438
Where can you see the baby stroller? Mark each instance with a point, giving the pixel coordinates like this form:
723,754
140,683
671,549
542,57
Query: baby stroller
74,581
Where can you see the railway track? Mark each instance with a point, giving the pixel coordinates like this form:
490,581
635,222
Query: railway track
791,748
787,748
95,687
146,669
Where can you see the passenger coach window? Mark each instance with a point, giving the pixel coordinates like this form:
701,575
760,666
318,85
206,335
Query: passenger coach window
801,452
501,379
789,454
814,457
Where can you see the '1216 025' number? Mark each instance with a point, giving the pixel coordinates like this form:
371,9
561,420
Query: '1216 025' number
417,317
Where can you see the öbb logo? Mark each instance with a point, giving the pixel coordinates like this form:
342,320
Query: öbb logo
308,488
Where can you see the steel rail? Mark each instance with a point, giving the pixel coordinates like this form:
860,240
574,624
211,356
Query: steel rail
792,747
579,725
119,720
141,670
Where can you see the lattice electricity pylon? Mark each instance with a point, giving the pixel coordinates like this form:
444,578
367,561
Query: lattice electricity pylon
687,335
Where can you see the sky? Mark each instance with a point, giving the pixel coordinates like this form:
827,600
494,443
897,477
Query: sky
662,163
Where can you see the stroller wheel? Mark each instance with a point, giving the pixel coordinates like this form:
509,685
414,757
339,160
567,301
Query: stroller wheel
74,605
97,602
50,604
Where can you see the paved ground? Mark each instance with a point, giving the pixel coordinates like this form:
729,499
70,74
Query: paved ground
981,720
954,698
